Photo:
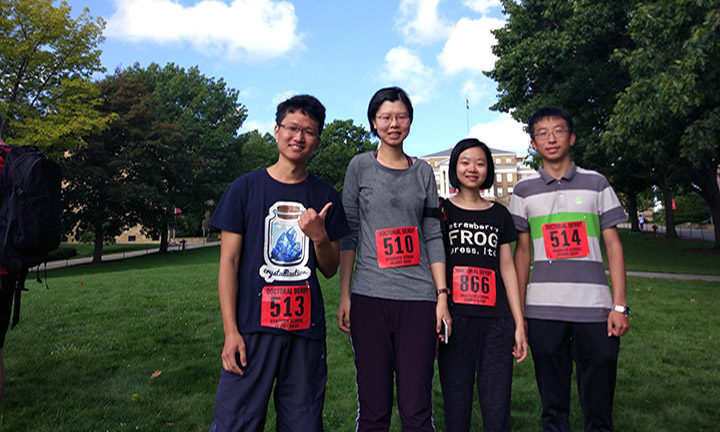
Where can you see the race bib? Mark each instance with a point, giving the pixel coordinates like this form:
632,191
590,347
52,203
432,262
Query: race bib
565,240
286,307
397,247
474,286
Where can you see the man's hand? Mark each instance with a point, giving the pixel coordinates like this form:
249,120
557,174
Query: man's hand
617,324
234,344
313,223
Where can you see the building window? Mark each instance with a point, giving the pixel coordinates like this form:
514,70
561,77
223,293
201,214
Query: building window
498,161
508,160
131,239
499,177
499,191
510,191
509,177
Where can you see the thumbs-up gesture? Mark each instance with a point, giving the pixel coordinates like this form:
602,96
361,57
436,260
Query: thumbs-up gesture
312,223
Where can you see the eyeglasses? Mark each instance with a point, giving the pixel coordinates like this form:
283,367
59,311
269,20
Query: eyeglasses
294,130
544,135
385,119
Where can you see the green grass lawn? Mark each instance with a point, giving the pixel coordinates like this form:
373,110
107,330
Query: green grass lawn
85,351
645,252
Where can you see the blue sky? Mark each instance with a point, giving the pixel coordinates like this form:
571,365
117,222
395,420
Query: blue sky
340,51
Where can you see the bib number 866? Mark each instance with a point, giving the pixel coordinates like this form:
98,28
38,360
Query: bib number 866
472,283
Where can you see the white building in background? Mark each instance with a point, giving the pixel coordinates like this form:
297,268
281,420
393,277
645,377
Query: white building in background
509,169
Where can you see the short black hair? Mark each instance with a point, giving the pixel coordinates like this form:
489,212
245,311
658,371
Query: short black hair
545,112
306,104
391,94
455,155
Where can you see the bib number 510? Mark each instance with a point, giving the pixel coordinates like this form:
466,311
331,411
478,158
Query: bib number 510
397,247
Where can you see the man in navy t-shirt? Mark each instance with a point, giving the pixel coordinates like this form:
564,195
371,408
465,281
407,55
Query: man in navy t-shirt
278,225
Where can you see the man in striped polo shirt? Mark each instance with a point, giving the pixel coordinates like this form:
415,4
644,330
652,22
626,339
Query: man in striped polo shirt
571,314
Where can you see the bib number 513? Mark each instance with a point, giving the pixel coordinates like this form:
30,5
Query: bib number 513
286,307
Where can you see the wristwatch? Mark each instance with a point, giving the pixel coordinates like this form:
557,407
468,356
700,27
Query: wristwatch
622,309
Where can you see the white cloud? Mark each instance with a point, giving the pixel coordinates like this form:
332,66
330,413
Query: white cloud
247,29
503,133
481,6
469,46
474,92
260,126
405,69
282,97
420,22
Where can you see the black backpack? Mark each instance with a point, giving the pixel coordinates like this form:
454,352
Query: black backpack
30,212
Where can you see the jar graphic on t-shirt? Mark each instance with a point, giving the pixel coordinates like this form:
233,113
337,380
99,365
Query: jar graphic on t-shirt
286,240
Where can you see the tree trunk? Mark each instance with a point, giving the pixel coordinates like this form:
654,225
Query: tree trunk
98,243
633,211
164,239
711,193
670,231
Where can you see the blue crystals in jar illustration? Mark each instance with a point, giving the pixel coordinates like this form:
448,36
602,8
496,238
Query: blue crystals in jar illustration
286,242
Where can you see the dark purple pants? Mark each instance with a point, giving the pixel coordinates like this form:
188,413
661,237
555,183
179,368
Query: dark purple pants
393,338
555,346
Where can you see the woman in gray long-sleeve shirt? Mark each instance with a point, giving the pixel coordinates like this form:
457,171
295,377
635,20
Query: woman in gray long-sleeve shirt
398,297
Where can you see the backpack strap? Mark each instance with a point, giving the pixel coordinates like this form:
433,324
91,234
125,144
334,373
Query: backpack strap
19,287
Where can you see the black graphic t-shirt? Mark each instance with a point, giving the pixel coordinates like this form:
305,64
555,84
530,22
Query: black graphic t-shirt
472,250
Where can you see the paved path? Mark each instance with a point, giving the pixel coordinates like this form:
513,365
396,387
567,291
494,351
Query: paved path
118,256
123,255
711,278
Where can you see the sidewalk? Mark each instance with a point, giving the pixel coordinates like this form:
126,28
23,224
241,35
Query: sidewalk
118,256
680,276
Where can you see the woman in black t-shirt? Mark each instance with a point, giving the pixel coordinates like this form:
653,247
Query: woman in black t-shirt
485,299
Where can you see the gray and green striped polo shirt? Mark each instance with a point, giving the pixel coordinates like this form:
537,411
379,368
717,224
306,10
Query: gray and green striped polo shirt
565,219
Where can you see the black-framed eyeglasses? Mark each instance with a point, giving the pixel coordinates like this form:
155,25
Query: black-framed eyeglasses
294,130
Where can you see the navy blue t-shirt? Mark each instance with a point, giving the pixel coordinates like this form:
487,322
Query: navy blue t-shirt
278,290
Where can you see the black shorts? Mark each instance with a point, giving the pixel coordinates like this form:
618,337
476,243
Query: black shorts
6,300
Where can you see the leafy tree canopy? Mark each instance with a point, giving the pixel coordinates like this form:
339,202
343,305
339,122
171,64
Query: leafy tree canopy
341,140
671,111
46,59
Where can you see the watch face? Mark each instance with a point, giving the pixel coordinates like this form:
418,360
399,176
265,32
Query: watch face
622,309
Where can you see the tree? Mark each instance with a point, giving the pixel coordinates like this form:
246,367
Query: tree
97,190
43,51
182,166
257,151
341,140
560,53
673,102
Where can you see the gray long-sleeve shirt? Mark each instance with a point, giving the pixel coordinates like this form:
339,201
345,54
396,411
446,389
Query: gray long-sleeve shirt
377,198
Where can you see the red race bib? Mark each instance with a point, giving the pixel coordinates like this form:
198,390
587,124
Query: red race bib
286,307
474,286
397,247
566,240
